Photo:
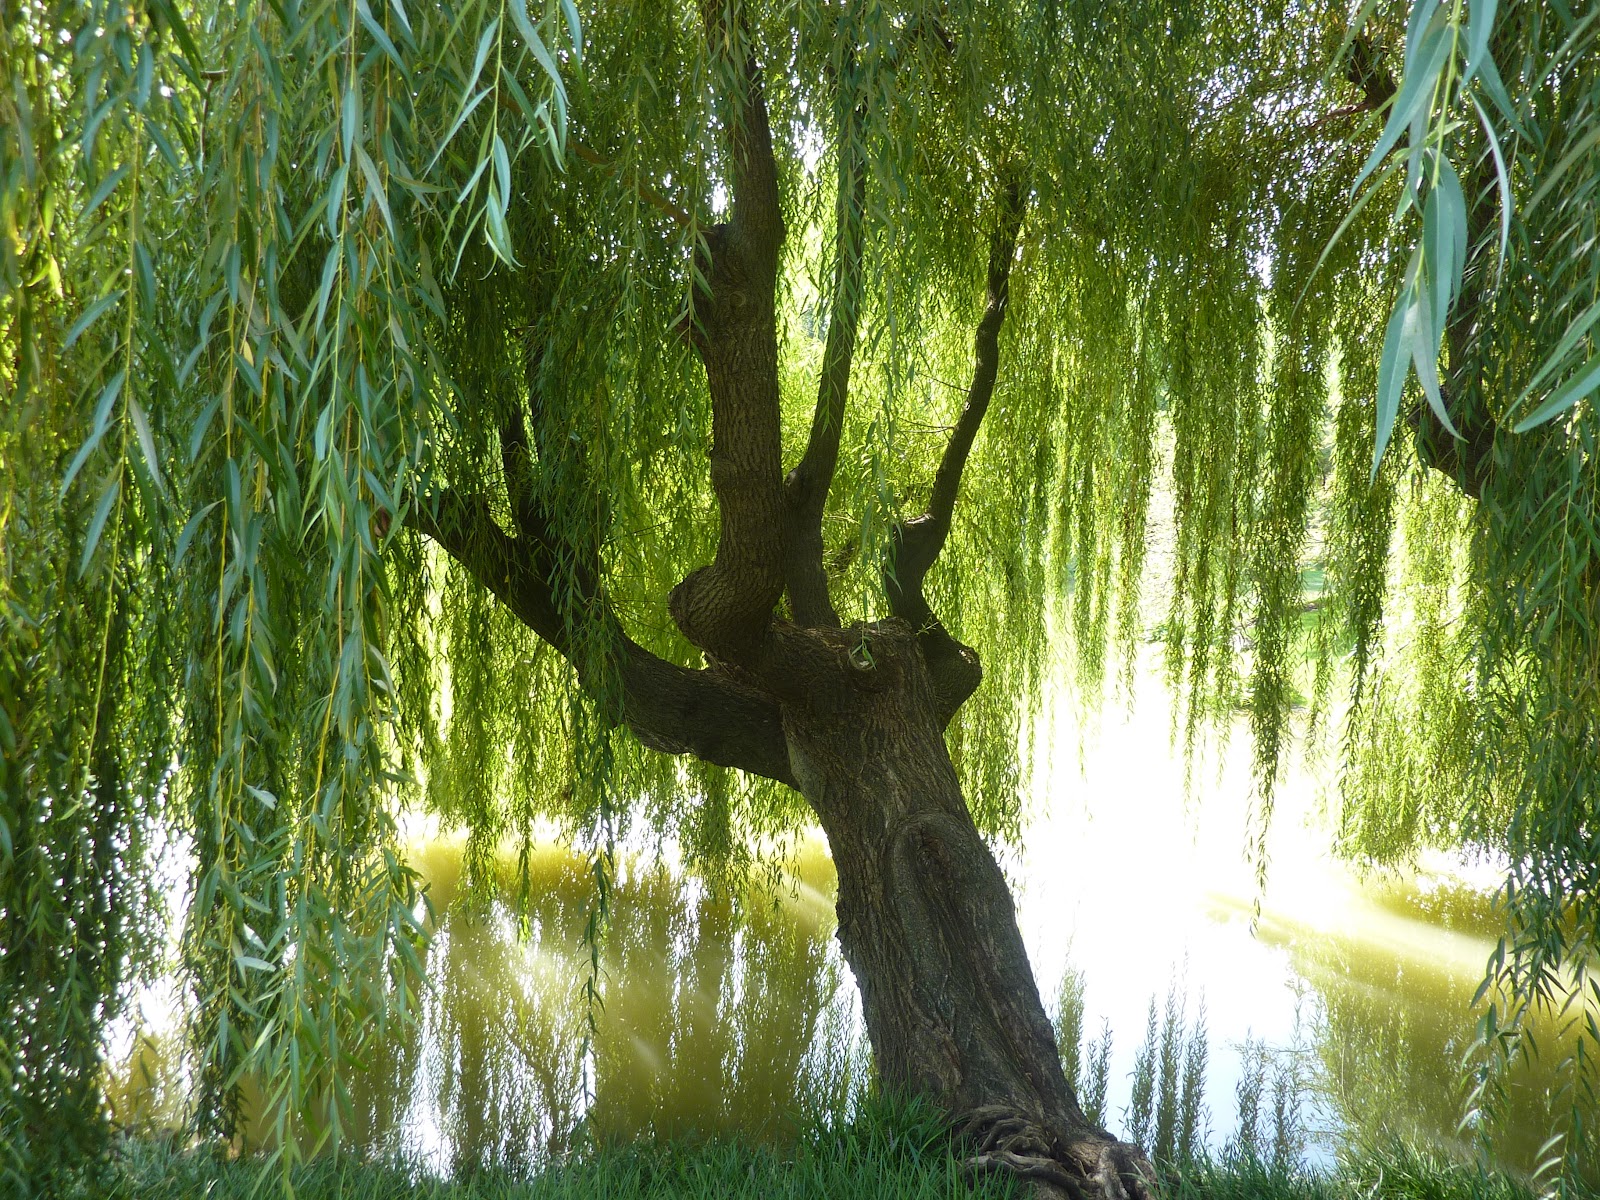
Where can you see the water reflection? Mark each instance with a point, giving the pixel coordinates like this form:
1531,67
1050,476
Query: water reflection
718,1012
724,1012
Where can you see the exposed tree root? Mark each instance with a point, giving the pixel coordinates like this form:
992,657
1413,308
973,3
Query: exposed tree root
1090,1165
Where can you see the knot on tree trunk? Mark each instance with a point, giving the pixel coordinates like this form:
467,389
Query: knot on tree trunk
1088,1165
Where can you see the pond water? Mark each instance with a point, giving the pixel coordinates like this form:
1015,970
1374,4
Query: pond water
736,1013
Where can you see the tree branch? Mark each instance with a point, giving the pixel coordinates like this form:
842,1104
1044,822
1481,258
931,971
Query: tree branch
648,194
670,708
807,486
915,545
726,608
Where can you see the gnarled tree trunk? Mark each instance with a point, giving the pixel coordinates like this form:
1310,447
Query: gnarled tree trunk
926,920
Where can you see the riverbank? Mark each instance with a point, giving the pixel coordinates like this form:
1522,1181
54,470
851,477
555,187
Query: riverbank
898,1158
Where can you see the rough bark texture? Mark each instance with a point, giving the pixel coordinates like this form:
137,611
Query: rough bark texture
926,920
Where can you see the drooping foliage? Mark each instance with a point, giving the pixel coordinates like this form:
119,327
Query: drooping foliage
274,278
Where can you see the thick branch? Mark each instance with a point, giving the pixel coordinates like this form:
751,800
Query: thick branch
670,708
808,484
915,544
726,608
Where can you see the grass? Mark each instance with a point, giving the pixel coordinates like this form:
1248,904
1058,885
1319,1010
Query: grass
885,1155
900,1155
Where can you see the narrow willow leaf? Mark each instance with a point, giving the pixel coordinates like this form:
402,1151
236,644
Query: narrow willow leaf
375,188
266,798
101,193
90,316
535,43
190,528
1423,341
502,170
102,419
1503,181
381,36
1480,24
349,117
1583,382
147,443
1452,228
466,111
1488,78
1424,13
574,31
1553,177
197,434
1373,187
1553,361
1415,93
144,77
321,438
97,523
534,114
144,272
1393,368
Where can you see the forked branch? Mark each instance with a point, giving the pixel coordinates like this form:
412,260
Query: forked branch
915,545
726,608
670,708
808,484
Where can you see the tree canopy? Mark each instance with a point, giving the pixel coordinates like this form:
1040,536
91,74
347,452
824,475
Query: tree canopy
308,307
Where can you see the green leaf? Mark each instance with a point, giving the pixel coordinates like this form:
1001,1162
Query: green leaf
192,62
380,36
190,528
102,419
375,187
103,192
1423,341
1423,14
535,43
574,30
1557,357
455,127
1480,24
1583,382
97,523
1503,181
502,167
147,443
1415,93
1392,371
90,316
349,117
1372,190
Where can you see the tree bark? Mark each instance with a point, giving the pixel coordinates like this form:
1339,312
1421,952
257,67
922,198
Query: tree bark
926,920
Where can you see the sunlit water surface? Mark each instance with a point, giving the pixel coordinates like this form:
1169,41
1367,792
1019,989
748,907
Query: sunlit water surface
736,1013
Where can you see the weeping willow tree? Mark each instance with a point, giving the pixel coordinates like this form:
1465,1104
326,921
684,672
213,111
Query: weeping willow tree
658,412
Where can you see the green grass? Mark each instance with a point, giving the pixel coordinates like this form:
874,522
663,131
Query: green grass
903,1155
887,1155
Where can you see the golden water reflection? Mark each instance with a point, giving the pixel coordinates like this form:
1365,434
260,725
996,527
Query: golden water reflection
717,1013
730,1012
727,1013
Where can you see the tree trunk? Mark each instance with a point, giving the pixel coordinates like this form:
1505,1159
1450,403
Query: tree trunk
926,920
